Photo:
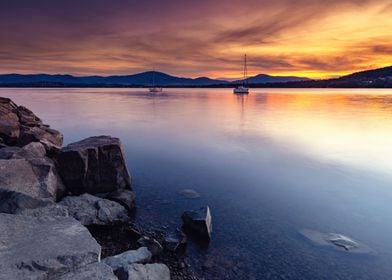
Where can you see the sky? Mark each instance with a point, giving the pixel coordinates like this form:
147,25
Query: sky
310,38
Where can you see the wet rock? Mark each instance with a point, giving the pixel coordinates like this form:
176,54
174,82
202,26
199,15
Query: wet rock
94,271
198,222
152,245
53,210
175,241
43,248
94,165
154,271
189,193
28,184
50,138
141,255
125,197
92,210
9,121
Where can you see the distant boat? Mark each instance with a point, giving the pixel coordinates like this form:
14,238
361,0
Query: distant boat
153,88
243,89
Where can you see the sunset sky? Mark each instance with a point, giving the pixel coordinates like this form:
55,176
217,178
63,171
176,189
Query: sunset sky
313,38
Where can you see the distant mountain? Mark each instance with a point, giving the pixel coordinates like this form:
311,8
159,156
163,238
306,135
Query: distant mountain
140,79
264,78
377,78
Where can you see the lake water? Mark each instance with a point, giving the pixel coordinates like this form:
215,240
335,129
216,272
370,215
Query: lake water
269,165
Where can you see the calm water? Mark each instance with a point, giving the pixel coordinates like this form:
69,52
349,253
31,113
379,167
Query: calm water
269,165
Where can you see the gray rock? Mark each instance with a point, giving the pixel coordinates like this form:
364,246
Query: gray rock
152,245
154,271
141,255
92,210
9,121
50,138
125,197
43,248
30,151
198,222
94,271
28,184
53,210
94,165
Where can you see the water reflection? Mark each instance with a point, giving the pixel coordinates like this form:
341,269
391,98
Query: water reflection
269,164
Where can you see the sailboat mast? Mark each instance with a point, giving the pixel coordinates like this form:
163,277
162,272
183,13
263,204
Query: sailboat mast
246,72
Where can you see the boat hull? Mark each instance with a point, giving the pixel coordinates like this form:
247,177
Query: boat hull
241,91
154,90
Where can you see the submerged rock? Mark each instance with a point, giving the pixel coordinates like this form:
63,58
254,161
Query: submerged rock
337,241
141,255
198,222
92,210
94,271
154,271
152,245
43,248
189,193
94,165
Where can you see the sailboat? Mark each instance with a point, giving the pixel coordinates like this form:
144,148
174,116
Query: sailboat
243,89
153,88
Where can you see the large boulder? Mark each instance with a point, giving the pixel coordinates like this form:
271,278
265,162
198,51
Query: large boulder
92,210
9,121
198,222
43,248
141,255
28,184
94,165
94,271
155,271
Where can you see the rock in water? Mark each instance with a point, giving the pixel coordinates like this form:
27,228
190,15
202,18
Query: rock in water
175,241
28,184
156,271
94,271
189,193
94,165
198,222
92,210
43,248
141,255
125,197
152,245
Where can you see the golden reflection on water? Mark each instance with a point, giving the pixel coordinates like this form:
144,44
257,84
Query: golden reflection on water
346,126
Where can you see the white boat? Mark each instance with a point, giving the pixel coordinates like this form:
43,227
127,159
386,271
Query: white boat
153,88
243,89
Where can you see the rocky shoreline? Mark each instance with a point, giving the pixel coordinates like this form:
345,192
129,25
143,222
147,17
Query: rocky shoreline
67,212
